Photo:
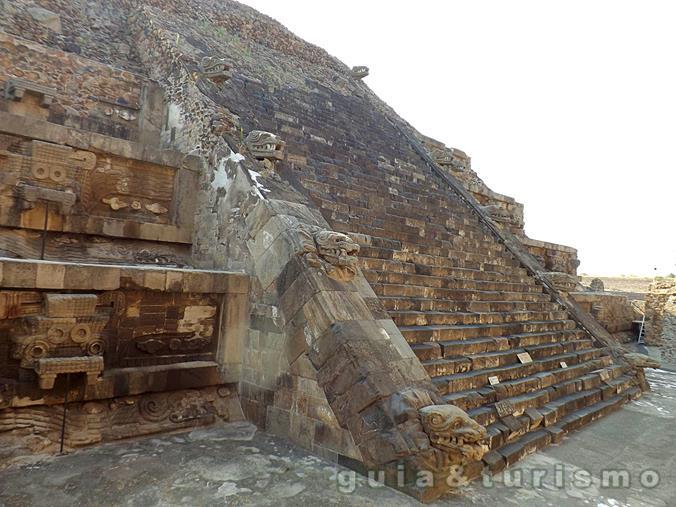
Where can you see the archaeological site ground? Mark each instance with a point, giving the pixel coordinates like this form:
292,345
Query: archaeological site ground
210,227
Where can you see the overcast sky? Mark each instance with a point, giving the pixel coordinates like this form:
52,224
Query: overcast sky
570,107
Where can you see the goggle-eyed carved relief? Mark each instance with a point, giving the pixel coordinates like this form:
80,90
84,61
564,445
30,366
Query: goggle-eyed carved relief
502,215
81,192
63,334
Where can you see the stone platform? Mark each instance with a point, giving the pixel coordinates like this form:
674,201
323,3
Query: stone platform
235,465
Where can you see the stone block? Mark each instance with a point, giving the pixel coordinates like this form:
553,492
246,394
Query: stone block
50,276
19,275
70,305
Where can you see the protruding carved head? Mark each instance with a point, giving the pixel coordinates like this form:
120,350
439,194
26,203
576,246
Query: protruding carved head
637,360
453,431
340,252
264,145
360,72
443,157
215,68
335,252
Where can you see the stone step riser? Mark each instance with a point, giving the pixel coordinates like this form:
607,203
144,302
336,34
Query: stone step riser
520,393
436,247
452,260
440,305
429,333
392,266
509,445
438,350
464,381
460,361
418,291
430,319
447,283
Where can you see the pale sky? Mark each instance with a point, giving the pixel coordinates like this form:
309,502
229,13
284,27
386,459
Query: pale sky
570,107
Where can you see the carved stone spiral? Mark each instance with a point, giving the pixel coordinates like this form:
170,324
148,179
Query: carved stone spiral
154,408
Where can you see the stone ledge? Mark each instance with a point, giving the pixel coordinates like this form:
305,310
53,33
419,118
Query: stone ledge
42,130
36,274
545,244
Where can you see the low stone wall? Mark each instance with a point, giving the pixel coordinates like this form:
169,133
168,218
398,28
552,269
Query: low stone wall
661,319
613,311
552,256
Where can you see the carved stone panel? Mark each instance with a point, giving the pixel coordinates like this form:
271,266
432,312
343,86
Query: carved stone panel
64,189
152,328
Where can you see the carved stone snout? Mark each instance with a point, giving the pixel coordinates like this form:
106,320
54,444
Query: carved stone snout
360,72
332,251
452,431
265,145
216,69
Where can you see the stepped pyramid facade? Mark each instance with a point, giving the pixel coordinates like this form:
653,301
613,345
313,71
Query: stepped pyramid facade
206,218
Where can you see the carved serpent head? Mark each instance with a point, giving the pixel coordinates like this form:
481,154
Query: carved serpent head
263,144
336,247
215,68
451,430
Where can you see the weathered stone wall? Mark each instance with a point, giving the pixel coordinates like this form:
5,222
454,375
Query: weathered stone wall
553,257
95,30
660,312
613,311
87,94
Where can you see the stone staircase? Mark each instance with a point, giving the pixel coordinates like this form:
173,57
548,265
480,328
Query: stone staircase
468,310
465,304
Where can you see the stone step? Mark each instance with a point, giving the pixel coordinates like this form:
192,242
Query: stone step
454,258
396,303
447,282
396,266
459,359
419,334
420,291
438,247
416,318
410,227
565,340
364,188
512,441
347,224
555,401
522,374
565,379
523,393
